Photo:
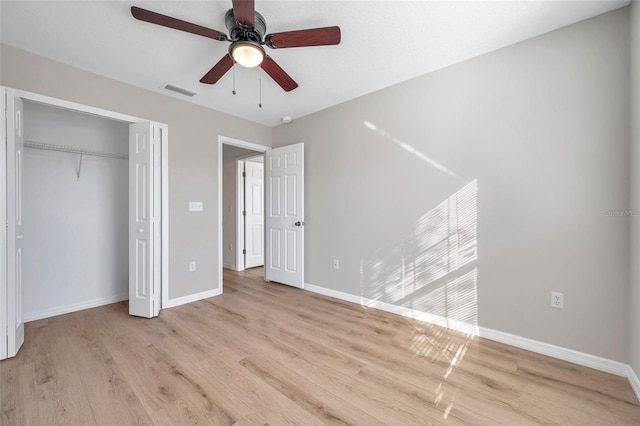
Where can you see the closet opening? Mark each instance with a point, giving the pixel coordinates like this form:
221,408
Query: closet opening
75,206
85,203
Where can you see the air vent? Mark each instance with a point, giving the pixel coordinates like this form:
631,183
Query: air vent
179,89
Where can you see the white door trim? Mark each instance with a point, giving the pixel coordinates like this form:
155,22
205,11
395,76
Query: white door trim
225,140
239,218
60,103
4,338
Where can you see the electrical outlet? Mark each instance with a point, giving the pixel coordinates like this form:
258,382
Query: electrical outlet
192,266
336,264
557,300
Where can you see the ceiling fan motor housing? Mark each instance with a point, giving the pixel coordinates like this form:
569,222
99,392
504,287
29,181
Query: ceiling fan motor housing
240,32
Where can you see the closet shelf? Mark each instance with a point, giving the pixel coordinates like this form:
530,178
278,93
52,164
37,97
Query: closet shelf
60,148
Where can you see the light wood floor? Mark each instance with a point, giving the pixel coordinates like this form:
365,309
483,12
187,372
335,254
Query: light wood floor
264,353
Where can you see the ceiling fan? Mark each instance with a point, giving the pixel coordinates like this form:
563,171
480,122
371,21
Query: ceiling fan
247,36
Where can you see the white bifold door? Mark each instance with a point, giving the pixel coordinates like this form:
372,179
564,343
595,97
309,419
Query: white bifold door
284,221
13,317
145,140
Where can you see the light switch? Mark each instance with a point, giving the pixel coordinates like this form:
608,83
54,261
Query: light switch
196,206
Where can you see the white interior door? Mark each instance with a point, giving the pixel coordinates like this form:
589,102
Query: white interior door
144,219
15,241
254,214
284,177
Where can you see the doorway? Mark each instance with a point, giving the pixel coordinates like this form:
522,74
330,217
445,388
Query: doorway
148,211
283,212
233,161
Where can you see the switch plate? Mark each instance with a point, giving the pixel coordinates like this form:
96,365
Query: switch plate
196,206
336,264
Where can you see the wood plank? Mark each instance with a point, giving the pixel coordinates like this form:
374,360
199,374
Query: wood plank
265,353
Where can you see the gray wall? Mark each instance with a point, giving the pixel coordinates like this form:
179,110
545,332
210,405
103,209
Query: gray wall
229,203
634,299
193,152
76,230
542,127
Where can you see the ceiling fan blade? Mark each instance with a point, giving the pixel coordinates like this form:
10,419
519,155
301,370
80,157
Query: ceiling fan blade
218,70
278,74
177,24
244,12
312,37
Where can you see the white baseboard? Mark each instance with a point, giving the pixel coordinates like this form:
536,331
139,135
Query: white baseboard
332,293
576,357
172,303
231,266
60,310
398,310
634,381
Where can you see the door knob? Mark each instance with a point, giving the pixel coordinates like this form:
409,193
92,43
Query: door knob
299,223
140,231
19,237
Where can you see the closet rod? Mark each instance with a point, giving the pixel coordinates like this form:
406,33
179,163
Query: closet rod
60,148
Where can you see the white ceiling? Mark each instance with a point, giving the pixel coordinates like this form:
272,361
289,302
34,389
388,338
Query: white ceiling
383,43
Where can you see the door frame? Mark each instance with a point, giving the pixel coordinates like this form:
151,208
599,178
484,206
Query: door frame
225,140
240,205
73,106
4,296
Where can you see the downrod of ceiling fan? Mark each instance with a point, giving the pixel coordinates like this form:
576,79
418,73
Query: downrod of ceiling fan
238,31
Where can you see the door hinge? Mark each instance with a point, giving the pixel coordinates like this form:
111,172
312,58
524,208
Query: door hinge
244,212
244,251
244,174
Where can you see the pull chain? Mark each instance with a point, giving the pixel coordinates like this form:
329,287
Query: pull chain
234,81
260,92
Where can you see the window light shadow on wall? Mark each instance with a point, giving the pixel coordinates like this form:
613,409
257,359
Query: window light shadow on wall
432,272
411,149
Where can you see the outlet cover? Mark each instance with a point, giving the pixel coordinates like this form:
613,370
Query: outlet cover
192,266
557,300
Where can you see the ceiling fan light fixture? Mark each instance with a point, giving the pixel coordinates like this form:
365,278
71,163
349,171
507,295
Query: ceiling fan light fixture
247,53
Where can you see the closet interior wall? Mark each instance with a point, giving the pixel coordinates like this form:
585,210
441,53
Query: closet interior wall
75,211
